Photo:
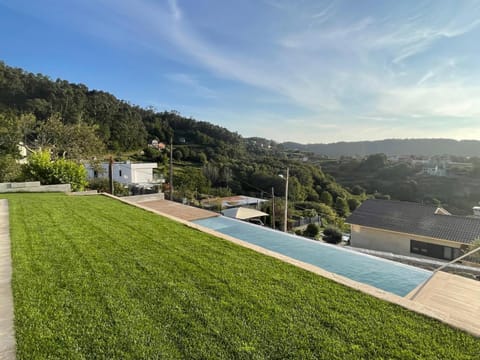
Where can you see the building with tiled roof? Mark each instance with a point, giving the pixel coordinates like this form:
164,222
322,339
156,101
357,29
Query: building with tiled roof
410,228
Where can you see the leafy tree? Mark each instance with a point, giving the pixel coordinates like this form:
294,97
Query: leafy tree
353,203
9,134
358,190
332,235
341,207
73,141
326,198
10,169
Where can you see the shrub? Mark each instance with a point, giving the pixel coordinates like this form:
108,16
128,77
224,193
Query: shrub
332,235
41,168
312,231
102,185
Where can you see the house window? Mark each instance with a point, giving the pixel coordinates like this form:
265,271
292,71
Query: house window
120,173
433,250
95,174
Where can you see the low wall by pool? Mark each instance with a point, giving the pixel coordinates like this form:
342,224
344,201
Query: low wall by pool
383,274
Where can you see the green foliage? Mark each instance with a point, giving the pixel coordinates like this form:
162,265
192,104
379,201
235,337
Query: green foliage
9,134
353,203
88,284
189,182
326,198
358,190
102,185
10,169
41,168
341,207
74,141
332,235
374,162
312,231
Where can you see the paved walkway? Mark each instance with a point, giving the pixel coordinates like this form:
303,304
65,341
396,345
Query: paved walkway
7,334
177,210
456,298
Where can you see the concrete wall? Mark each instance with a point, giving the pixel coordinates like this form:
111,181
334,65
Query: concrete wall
387,241
33,187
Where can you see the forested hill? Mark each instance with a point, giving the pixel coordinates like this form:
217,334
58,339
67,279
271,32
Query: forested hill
425,147
121,125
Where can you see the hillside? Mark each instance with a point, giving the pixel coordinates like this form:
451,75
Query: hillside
419,147
209,159
121,125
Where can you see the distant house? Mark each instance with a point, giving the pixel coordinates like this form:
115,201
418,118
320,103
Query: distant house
126,173
407,228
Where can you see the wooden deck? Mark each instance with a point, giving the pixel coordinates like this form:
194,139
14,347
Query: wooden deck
177,210
455,297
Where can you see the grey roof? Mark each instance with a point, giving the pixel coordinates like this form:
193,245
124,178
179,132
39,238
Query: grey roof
417,219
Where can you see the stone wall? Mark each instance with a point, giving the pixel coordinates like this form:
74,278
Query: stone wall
33,186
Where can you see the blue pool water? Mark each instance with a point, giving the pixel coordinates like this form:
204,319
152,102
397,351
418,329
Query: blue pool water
383,274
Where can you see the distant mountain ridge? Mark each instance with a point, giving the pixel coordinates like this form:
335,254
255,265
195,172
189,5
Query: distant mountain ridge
392,147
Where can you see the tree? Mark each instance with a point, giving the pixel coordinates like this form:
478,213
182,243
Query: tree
311,231
326,198
72,141
9,134
353,203
332,235
341,207
358,190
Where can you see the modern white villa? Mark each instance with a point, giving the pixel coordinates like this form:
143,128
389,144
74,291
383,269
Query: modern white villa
126,173
408,228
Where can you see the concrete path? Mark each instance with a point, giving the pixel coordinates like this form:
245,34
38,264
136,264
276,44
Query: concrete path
455,297
7,334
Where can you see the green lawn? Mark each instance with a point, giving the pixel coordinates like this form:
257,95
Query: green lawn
95,278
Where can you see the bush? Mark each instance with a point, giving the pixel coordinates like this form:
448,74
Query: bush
102,185
311,231
332,235
41,168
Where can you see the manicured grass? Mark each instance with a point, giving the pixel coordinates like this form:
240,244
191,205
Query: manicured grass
95,278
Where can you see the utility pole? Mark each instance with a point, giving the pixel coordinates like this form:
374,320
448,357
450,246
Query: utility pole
273,208
286,203
110,175
171,168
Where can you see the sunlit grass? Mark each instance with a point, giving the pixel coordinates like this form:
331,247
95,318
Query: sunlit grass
95,278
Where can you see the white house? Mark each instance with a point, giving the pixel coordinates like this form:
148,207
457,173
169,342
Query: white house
126,173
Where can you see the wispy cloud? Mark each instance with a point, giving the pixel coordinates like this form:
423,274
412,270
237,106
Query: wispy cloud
193,84
363,65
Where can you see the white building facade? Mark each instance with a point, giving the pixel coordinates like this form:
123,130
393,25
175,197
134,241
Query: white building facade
125,172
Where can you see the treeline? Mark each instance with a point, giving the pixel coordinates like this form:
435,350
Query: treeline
121,125
390,147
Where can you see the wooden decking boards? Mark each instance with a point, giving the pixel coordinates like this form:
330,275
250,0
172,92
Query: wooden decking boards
456,297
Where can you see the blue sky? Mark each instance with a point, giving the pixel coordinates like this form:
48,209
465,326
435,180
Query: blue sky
289,70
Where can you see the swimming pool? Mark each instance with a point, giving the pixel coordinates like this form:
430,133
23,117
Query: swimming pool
387,275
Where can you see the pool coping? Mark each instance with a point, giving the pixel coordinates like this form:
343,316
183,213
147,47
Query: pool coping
404,302
7,330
